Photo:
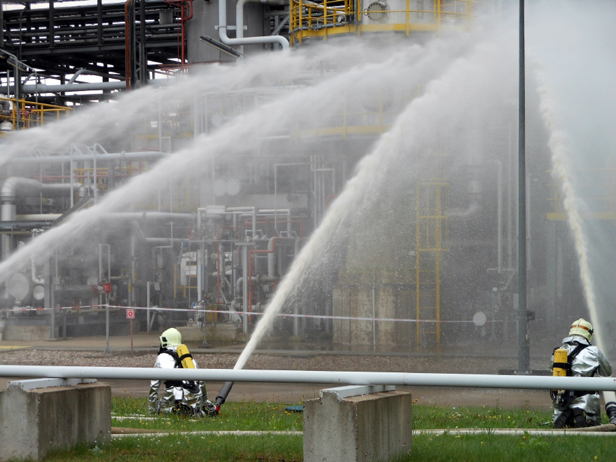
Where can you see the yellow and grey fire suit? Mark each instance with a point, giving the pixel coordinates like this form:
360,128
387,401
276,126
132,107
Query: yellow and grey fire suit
178,396
589,362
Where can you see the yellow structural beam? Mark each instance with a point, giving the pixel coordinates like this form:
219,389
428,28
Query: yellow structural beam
562,216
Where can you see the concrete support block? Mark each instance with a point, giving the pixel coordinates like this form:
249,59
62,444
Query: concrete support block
28,333
371,427
33,422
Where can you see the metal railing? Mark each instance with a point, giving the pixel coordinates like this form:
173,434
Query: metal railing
28,114
322,18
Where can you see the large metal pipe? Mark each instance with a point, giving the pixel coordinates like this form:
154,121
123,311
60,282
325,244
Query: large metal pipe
17,186
73,87
222,32
150,216
82,157
325,377
239,20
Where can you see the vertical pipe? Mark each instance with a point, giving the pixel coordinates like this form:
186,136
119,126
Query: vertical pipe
373,316
143,59
234,258
524,354
95,184
48,300
510,200
99,15
160,132
148,306
254,223
17,96
52,27
107,348
2,33
245,288
314,191
72,181
100,272
276,198
499,237
131,297
288,222
199,273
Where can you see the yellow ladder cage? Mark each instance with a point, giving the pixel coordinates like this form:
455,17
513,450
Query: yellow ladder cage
432,239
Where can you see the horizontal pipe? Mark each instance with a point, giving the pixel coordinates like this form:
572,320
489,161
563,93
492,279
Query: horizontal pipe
38,217
325,377
81,157
73,87
150,216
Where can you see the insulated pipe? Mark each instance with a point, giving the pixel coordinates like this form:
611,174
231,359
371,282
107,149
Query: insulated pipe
73,87
252,210
271,254
239,20
86,71
325,377
151,216
82,157
240,281
222,32
12,188
38,217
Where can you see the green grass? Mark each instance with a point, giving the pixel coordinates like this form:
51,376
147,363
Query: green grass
190,449
234,416
473,417
490,448
273,448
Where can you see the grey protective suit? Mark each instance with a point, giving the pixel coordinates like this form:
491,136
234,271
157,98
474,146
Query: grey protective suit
590,362
177,396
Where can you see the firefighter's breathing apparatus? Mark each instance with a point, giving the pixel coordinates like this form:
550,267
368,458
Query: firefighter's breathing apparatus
561,367
186,361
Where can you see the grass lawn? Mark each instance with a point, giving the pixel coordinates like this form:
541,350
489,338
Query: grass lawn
289,448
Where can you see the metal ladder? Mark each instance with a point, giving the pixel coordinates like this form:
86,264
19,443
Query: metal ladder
431,241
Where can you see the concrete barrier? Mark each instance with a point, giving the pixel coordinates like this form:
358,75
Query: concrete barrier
357,423
35,420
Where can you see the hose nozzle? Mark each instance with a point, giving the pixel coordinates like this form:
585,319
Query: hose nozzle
222,396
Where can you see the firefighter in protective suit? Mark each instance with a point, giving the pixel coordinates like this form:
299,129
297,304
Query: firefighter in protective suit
578,408
182,396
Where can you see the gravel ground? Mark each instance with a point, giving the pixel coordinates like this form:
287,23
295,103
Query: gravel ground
329,362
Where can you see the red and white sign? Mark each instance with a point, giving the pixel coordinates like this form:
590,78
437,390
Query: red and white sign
130,314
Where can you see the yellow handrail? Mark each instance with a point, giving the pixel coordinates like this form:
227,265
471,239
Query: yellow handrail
27,114
323,18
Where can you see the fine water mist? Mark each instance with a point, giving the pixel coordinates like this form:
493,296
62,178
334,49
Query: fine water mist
573,68
468,87
360,67
452,115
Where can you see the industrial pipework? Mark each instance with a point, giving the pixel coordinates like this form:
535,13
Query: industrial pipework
320,377
222,31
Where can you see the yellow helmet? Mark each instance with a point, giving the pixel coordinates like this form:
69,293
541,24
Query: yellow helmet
582,328
171,337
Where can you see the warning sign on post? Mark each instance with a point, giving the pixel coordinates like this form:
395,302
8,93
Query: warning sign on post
130,314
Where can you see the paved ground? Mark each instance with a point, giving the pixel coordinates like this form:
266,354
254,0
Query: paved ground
90,351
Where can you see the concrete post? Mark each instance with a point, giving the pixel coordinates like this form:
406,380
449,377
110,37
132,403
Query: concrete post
357,424
37,420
